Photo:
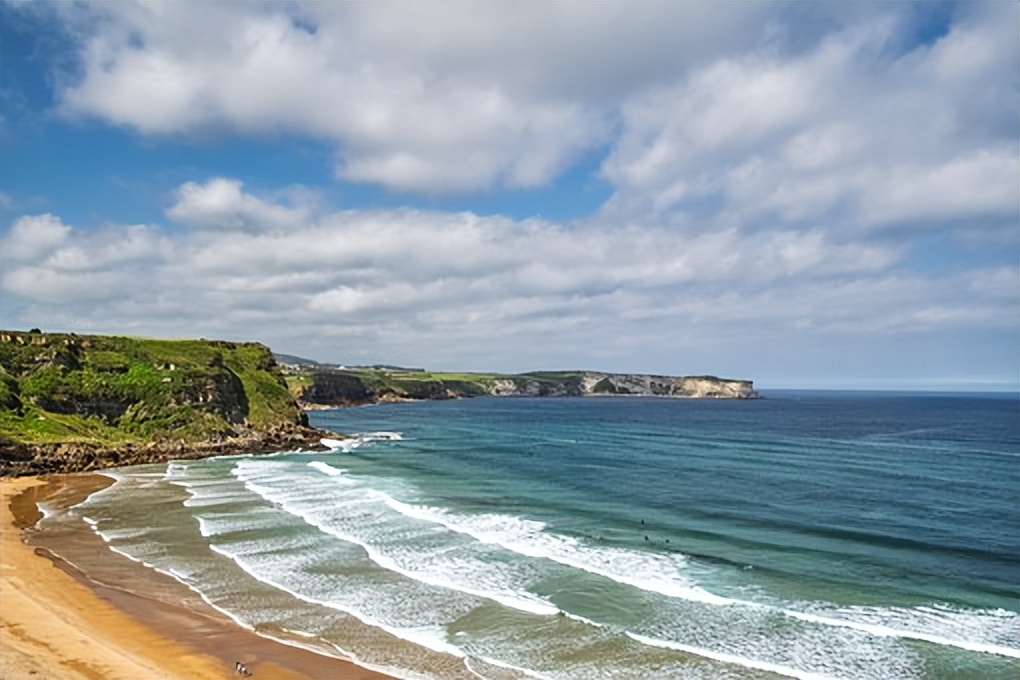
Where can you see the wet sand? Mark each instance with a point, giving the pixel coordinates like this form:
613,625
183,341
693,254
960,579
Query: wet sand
92,614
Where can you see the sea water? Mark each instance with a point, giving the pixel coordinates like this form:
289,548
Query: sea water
806,535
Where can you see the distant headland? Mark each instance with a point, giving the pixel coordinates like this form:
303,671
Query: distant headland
71,403
320,385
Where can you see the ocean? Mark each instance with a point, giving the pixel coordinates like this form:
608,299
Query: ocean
804,535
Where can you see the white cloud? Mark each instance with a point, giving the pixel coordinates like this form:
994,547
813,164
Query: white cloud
424,97
849,132
50,262
32,237
458,288
220,204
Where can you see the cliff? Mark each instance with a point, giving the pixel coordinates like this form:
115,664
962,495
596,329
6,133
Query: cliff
316,385
78,402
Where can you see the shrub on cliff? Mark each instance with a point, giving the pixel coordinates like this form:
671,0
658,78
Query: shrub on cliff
100,389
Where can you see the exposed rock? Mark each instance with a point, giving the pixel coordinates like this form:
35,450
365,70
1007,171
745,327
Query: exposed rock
72,403
336,388
683,387
18,459
346,387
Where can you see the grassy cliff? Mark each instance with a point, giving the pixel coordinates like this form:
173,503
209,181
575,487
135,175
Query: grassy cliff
109,391
317,384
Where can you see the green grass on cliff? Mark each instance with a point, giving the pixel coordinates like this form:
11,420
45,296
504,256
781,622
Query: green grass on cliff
422,384
69,388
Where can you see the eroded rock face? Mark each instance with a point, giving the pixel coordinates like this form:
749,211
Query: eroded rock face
35,459
339,388
335,388
683,387
170,398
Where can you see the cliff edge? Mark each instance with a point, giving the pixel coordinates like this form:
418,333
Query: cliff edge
72,402
316,385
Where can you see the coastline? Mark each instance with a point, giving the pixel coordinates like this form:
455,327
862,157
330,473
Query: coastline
19,459
71,608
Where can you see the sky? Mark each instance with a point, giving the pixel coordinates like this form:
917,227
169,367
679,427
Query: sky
807,195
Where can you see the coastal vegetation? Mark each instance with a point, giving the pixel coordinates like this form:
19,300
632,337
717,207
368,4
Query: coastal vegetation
106,395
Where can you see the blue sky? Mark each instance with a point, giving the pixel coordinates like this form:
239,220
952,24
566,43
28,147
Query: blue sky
821,195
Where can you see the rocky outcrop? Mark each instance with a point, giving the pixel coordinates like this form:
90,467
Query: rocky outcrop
335,388
683,387
70,403
17,458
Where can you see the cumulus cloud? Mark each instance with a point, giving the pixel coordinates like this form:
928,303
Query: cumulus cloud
415,96
34,236
849,130
458,286
51,263
220,204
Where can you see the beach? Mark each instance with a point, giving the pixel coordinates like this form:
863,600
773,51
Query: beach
107,622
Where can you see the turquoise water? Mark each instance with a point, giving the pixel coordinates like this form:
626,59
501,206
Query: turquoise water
805,535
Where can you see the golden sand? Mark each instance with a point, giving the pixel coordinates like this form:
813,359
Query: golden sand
53,624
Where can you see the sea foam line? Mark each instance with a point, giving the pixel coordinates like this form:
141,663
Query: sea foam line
502,664
729,658
888,631
410,635
118,480
533,541
669,589
315,649
238,620
326,468
532,528
526,603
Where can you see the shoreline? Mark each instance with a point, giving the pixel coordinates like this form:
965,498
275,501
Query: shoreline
20,459
72,608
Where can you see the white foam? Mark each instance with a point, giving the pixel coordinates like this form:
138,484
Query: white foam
729,658
174,468
327,468
182,579
204,527
233,456
351,443
914,616
973,631
646,571
659,574
382,436
118,480
502,664
432,637
441,579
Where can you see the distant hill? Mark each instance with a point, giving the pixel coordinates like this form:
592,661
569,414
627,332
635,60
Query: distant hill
323,386
96,397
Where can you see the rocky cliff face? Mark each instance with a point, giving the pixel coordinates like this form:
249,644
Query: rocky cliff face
349,387
71,403
683,387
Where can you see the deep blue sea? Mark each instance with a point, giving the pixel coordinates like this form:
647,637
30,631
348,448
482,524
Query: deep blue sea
806,535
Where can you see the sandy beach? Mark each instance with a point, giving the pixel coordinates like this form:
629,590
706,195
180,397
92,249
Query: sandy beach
58,622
